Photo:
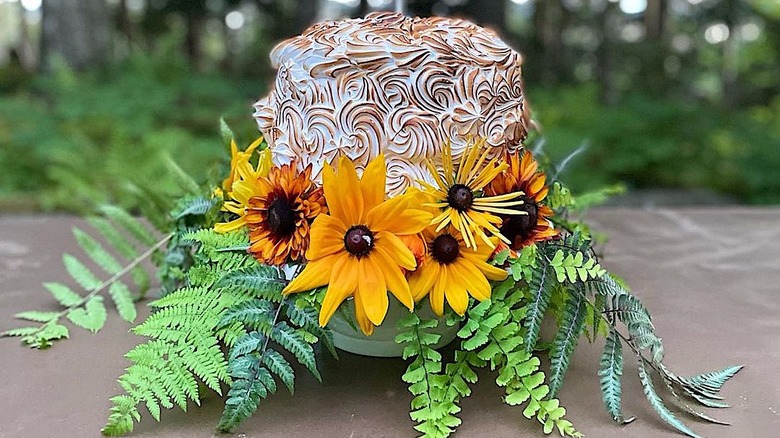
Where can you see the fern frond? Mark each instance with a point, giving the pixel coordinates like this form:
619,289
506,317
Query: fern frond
432,407
261,280
278,365
63,294
251,383
541,286
131,224
92,316
123,301
304,315
658,404
294,342
193,206
80,273
610,375
96,252
566,339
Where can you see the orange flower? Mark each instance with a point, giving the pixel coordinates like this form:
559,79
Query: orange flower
280,213
523,176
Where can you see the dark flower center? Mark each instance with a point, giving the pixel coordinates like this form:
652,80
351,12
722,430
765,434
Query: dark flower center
281,218
460,197
521,225
445,249
359,240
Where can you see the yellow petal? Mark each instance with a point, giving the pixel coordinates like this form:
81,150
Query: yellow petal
455,290
398,216
327,237
372,290
315,274
351,195
437,293
366,326
333,193
372,184
395,248
343,282
233,225
421,281
476,283
396,282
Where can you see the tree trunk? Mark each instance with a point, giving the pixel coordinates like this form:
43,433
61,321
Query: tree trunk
78,31
488,13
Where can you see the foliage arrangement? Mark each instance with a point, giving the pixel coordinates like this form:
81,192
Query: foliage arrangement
253,271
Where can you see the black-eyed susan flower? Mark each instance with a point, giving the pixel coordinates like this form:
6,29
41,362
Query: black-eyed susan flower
458,194
280,212
355,249
523,176
453,272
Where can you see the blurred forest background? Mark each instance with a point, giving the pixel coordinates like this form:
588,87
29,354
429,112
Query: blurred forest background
676,96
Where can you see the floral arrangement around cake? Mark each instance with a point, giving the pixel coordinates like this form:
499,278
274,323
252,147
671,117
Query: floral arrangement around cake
394,166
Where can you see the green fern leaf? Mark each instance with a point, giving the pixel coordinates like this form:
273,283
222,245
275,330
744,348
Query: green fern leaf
36,316
92,317
63,294
307,318
193,207
20,331
123,301
131,224
263,281
246,344
83,276
293,342
610,374
124,247
252,382
255,314
541,286
123,412
96,252
279,366
566,339
658,405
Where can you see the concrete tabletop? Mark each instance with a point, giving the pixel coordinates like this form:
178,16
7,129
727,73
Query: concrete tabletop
710,278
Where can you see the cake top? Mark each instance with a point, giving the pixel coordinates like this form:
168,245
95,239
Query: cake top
392,84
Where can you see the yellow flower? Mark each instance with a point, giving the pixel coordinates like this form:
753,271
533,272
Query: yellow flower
457,195
453,271
280,215
243,183
240,163
356,249
523,176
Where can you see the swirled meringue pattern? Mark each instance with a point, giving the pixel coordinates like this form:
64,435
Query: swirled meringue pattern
393,84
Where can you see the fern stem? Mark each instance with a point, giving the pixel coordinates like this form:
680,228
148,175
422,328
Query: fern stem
129,267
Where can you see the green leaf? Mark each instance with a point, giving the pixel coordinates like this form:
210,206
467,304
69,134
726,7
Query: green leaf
658,405
293,342
279,366
83,276
92,317
63,294
541,287
132,225
123,301
610,374
566,339
21,331
96,252
36,316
